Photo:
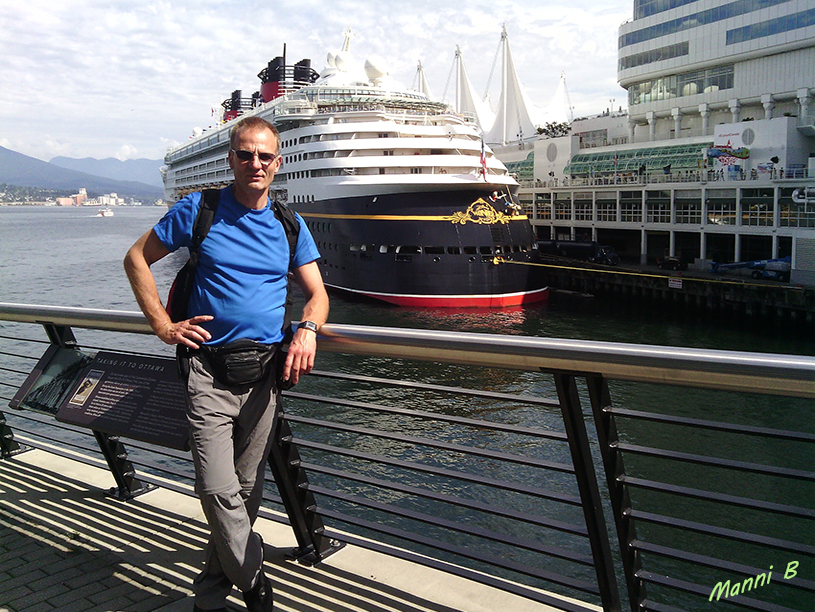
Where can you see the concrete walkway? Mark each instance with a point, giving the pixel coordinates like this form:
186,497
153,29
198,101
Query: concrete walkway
66,546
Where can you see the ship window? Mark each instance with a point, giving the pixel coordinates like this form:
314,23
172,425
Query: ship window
434,250
485,250
409,248
453,250
387,248
470,250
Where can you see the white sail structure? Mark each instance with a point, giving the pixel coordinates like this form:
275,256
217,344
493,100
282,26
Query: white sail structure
467,101
513,121
559,109
420,83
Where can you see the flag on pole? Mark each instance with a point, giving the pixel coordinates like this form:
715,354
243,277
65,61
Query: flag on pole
483,160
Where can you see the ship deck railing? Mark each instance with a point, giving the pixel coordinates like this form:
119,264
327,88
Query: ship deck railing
577,475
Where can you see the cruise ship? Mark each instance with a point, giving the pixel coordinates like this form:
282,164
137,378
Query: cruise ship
405,201
712,161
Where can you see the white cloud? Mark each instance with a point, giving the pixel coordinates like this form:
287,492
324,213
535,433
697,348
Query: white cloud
108,78
127,152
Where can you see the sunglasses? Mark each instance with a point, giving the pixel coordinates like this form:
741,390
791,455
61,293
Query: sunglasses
248,156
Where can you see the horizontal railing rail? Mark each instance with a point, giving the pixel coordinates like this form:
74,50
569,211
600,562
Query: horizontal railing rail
707,475
788,375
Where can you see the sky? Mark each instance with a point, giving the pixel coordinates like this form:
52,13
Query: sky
125,79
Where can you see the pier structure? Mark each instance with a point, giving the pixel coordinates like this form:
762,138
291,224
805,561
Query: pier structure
713,156
566,475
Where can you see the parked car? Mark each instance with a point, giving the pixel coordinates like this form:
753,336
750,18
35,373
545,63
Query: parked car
672,263
582,250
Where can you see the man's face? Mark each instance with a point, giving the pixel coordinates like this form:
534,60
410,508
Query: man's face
254,174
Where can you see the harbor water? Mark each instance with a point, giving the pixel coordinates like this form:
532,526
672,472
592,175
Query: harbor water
71,257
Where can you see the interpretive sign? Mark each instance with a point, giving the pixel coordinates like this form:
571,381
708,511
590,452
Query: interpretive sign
48,383
129,395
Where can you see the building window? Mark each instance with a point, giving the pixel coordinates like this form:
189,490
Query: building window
689,212
606,211
718,13
631,212
644,8
685,84
658,212
563,211
795,214
721,213
583,211
654,55
757,207
773,26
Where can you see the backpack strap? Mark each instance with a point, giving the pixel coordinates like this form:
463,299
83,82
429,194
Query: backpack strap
203,221
291,226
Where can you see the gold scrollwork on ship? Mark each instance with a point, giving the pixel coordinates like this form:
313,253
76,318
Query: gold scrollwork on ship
479,212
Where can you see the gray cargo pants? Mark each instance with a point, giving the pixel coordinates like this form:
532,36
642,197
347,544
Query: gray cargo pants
230,437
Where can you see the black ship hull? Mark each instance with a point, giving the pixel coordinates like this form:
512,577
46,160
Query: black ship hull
469,248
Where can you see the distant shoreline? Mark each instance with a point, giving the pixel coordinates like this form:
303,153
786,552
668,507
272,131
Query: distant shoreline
55,205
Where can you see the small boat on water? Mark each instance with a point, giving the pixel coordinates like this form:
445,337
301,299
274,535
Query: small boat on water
406,203
107,211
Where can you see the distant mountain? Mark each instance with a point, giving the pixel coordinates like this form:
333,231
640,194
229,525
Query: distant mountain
140,170
25,171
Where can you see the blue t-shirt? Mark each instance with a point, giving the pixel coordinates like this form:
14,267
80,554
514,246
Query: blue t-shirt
242,268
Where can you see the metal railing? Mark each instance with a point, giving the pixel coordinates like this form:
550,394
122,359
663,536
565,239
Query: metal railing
678,495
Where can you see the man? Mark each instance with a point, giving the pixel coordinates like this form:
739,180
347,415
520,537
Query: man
240,294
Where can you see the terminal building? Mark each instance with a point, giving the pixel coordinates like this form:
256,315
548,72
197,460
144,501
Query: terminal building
714,158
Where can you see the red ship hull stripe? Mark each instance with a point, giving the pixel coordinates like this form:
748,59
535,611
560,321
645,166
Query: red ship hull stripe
460,301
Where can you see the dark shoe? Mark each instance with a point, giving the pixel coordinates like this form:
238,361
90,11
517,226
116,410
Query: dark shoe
259,599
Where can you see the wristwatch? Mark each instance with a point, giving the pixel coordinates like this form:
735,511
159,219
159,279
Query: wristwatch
310,325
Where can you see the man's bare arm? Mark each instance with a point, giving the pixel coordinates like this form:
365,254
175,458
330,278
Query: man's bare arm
144,253
303,348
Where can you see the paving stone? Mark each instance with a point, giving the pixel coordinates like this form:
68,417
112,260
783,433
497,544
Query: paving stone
10,594
37,596
23,577
8,564
108,595
78,593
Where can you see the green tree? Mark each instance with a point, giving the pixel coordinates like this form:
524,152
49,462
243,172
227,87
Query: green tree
554,129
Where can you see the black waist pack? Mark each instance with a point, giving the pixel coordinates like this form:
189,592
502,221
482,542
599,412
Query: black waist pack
242,362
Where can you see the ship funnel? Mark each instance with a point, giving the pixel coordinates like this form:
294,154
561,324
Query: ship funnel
272,78
233,106
277,79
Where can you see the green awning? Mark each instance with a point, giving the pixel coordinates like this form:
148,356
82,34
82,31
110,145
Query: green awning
678,157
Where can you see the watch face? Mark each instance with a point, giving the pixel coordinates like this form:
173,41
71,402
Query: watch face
309,325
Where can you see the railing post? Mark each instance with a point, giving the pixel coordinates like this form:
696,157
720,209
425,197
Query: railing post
8,445
128,486
60,335
301,507
618,491
589,491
